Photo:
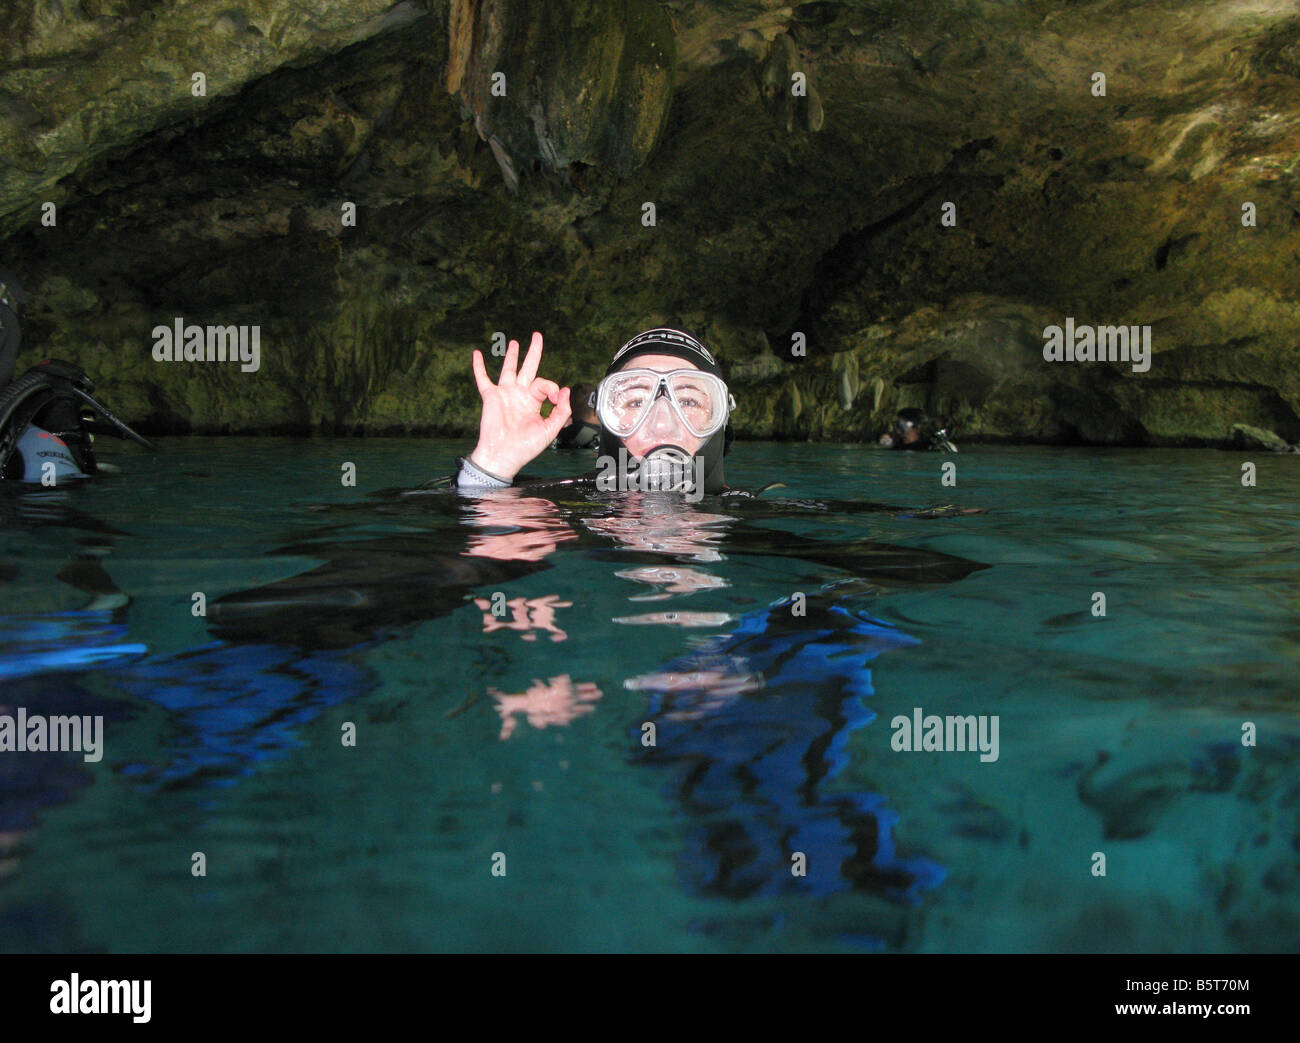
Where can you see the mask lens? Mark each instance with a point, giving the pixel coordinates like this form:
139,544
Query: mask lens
626,400
699,399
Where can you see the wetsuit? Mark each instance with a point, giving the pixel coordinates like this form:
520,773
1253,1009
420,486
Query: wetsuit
47,415
47,420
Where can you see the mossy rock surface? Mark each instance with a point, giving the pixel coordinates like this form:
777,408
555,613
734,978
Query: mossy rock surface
349,182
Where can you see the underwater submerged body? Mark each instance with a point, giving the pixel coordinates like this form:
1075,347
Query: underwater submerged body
674,625
367,584
283,653
69,640
757,719
229,708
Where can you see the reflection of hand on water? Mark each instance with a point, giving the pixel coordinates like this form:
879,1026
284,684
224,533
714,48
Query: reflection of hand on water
528,614
542,529
514,546
559,701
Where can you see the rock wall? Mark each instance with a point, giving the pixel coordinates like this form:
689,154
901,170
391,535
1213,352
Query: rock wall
862,205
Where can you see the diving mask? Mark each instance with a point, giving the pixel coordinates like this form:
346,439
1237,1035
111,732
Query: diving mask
700,400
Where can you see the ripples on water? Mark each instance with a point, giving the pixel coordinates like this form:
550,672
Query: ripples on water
500,661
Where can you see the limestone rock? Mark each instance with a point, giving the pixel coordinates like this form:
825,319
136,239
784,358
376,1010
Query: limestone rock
1247,437
1171,203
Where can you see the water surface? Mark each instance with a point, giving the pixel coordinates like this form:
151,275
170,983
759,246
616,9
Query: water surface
521,732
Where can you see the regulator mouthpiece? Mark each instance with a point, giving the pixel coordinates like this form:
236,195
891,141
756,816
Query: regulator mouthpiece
668,469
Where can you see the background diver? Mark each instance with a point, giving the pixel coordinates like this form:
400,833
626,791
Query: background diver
583,429
913,429
48,419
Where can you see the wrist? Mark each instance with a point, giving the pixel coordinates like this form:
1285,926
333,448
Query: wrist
492,466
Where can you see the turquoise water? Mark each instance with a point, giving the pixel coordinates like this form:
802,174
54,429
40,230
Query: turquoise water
515,741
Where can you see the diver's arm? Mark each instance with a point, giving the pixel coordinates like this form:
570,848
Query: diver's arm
512,430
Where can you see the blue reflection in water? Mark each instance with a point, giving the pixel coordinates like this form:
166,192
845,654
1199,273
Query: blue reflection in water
753,724
233,706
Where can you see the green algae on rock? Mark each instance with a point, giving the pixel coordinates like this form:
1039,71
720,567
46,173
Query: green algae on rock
1171,201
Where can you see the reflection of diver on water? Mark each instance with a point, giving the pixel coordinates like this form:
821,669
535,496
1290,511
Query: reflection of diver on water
42,655
37,641
754,723
229,706
757,720
295,641
367,585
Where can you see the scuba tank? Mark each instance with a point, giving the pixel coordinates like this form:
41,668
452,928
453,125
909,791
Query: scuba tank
939,440
48,416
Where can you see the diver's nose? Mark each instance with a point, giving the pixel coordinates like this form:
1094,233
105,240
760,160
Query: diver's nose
662,422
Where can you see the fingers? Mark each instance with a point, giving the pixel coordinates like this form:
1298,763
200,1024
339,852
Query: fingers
481,378
532,360
510,365
542,389
559,415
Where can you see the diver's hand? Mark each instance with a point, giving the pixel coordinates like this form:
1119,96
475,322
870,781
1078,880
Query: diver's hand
512,430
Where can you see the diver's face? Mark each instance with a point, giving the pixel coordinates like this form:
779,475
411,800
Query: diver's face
662,427
906,432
